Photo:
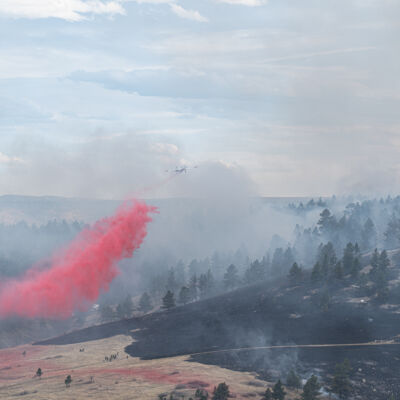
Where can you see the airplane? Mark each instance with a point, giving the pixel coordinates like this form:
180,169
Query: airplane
180,170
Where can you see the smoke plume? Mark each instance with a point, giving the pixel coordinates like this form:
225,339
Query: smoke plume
81,271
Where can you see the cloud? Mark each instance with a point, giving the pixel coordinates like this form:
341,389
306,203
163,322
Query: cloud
250,3
70,10
187,14
77,10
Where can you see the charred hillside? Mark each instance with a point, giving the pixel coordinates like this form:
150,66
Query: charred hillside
268,314
263,314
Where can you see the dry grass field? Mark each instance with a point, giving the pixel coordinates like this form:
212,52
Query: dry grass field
123,378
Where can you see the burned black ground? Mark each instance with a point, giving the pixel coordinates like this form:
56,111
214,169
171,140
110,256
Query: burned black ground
270,314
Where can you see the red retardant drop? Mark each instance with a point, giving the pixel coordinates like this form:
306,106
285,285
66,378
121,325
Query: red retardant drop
81,271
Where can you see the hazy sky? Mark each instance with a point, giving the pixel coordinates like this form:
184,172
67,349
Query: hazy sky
281,97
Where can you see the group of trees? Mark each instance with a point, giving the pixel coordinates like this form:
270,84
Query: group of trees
340,385
311,205
317,246
329,266
311,389
126,308
370,223
67,381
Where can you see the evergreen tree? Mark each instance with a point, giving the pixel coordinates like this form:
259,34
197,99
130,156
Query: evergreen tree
184,295
145,303
201,394
168,300
316,273
356,267
268,395
348,258
392,233
68,381
311,389
374,263
255,272
205,284
326,253
338,271
278,392
356,250
341,384
383,262
288,260
231,278
368,235
221,392
277,264
325,301
327,222
295,273
293,381
193,288
39,373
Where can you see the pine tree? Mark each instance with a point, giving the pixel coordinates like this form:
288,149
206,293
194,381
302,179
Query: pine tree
311,389
295,273
184,295
341,384
231,278
325,301
316,273
326,222
293,381
383,262
267,395
278,392
368,235
68,381
326,257
201,394
39,373
356,268
168,300
348,258
193,288
392,233
203,286
221,392
338,271
374,263
145,303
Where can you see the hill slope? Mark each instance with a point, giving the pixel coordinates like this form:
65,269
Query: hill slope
269,314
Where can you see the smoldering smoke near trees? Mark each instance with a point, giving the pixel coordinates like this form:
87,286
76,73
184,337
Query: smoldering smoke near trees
81,271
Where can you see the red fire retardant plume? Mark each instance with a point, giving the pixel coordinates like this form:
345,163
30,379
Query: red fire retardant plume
81,271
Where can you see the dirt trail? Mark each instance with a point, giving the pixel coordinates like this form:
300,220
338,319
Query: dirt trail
301,346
